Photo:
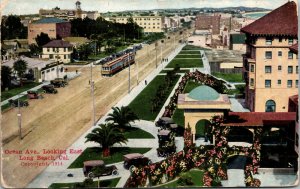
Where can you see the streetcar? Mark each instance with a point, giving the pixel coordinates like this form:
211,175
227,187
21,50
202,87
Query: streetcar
116,65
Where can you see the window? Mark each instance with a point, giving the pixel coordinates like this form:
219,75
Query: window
270,106
279,53
278,82
290,55
279,68
48,50
65,56
51,56
267,83
297,70
296,83
252,68
268,55
268,69
280,39
268,40
289,83
48,71
290,69
251,82
65,49
53,49
52,69
290,41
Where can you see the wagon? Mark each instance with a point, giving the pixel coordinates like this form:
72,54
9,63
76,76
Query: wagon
59,82
135,160
49,89
33,95
89,169
15,103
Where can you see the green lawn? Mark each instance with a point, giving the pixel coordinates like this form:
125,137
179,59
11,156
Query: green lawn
189,52
95,153
12,92
97,56
190,86
229,77
185,63
195,174
191,47
180,71
103,183
188,56
142,105
133,132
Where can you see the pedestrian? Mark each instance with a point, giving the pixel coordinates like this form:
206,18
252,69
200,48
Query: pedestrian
76,72
145,82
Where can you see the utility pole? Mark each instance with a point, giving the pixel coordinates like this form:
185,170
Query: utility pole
137,76
129,71
174,43
161,54
156,56
92,94
19,120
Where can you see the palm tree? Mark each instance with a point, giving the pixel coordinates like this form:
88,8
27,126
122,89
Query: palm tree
122,116
20,66
106,135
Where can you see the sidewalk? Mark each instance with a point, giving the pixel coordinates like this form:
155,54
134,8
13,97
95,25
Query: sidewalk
59,173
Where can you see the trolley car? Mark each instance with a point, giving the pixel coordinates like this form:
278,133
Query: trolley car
114,66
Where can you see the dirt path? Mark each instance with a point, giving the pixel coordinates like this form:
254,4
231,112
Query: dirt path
58,120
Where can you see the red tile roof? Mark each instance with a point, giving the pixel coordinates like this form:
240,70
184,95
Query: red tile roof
58,43
294,48
259,118
281,21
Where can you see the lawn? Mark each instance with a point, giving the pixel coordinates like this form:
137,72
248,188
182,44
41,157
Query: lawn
229,77
133,132
180,71
191,47
195,174
95,153
103,183
196,56
186,63
189,52
12,92
142,104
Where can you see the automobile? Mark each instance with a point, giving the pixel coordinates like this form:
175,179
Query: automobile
59,82
135,160
33,95
89,166
16,103
49,89
164,122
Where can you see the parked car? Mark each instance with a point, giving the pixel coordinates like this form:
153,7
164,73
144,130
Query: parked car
135,160
33,95
164,122
49,89
88,169
16,103
59,82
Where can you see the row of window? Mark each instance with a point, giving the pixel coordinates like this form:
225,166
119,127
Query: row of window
65,49
268,83
268,69
270,39
66,56
268,54
148,24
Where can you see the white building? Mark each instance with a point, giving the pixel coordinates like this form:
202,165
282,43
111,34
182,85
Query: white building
58,50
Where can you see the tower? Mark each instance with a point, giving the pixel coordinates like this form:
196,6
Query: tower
78,5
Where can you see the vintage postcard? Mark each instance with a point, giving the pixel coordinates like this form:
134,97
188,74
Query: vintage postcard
149,93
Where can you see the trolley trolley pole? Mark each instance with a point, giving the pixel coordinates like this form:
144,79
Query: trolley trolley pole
92,94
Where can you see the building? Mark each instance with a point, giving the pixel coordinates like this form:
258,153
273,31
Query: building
270,67
42,70
150,24
54,27
237,42
208,22
58,50
13,48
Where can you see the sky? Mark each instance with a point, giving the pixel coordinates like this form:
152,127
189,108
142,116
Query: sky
32,6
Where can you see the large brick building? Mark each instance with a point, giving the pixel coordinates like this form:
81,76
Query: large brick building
54,27
207,22
270,66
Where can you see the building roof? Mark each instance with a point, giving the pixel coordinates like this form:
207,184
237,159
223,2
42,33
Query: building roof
49,20
237,38
294,48
31,62
281,21
58,44
259,118
204,92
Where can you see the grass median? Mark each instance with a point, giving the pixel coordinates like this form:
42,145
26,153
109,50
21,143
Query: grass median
230,77
186,63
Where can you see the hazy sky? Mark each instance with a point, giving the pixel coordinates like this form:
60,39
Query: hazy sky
33,6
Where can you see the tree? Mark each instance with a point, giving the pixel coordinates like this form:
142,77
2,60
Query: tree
122,116
12,28
42,39
106,135
34,50
5,76
20,66
84,51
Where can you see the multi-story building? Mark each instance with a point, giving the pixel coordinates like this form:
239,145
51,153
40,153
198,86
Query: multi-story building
270,67
208,22
151,24
54,27
58,50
